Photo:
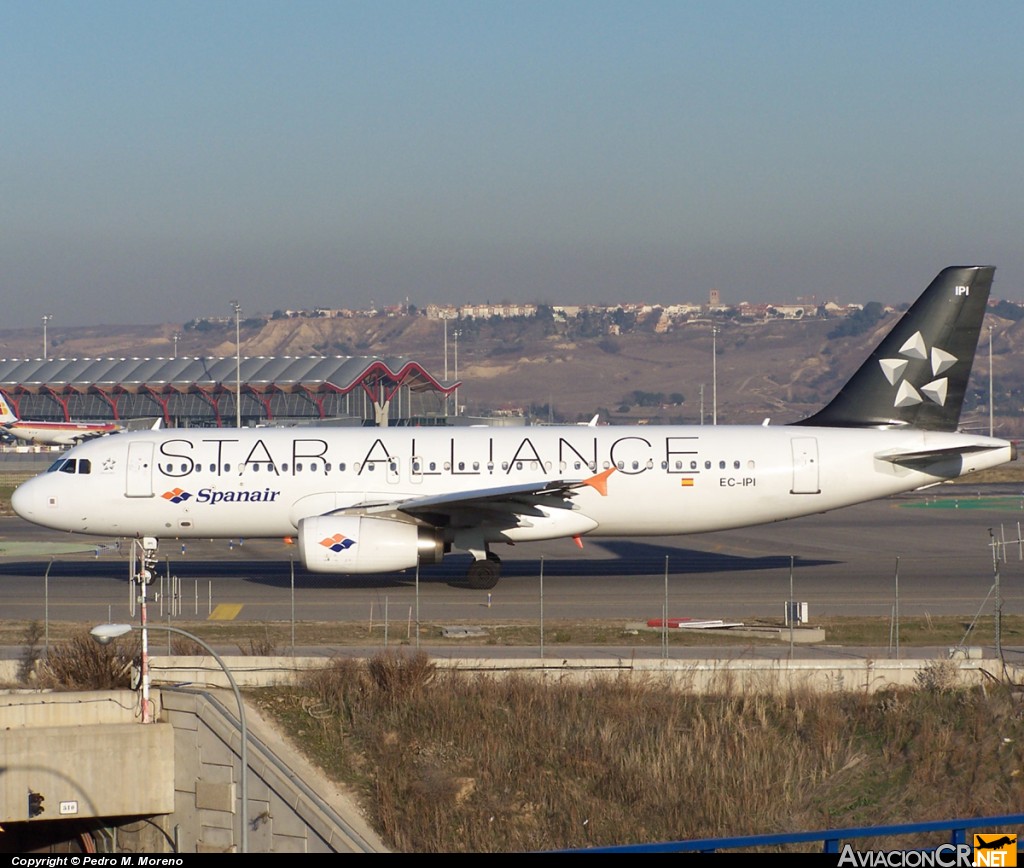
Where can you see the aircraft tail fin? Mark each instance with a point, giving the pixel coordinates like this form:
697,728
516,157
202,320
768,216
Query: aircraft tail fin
6,414
918,374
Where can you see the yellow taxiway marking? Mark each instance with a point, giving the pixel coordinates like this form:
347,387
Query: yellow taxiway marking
225,612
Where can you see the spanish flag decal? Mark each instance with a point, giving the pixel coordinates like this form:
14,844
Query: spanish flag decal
686,481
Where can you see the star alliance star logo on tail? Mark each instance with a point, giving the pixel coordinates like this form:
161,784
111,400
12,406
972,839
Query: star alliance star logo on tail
906,394
176,495
337,543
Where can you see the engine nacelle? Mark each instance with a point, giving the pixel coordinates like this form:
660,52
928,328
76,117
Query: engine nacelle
363,544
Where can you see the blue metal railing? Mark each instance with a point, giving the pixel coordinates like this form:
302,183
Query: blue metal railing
830,839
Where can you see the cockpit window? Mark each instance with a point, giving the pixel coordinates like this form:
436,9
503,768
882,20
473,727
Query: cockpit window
71,465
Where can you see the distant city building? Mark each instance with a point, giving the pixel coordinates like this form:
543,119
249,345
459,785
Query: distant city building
664,316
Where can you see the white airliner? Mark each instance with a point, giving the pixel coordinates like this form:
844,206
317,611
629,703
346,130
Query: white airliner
50,433
370,500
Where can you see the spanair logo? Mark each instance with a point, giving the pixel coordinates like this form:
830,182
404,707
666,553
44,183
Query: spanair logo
995,849
214,497
934,391
337,543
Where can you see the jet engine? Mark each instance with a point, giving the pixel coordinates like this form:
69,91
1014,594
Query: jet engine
363,544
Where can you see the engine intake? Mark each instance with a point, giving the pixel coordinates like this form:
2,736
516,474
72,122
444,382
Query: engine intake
363,544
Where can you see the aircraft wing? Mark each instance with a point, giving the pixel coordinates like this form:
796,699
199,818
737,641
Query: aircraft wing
519,499
81,437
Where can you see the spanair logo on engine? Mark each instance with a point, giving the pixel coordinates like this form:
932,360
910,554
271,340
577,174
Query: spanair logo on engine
213,497
337,543
906,394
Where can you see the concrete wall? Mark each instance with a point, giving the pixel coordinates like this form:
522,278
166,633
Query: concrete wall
284,814
180,774
85,754
703,675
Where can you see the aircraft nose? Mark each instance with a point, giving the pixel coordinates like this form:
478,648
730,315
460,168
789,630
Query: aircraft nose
23,501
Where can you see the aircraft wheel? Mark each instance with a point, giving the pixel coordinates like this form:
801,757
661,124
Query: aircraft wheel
483,575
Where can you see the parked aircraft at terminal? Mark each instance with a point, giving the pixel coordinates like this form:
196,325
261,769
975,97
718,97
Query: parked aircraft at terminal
50,433
368,500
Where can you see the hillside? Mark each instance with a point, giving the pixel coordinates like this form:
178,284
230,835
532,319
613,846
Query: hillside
781,369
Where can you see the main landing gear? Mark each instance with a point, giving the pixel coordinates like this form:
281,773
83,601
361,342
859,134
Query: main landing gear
484,572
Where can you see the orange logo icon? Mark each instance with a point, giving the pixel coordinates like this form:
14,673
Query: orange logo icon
995,849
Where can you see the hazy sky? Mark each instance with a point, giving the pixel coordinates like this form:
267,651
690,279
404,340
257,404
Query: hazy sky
161,159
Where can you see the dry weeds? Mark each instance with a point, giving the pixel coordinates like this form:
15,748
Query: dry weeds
448,762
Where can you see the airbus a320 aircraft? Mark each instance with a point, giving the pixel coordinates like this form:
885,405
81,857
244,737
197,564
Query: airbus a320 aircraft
50,433
371,500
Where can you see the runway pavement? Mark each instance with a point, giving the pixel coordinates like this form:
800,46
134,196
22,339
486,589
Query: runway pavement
934,550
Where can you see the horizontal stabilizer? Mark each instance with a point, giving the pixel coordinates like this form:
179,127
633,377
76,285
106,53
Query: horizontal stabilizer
924,457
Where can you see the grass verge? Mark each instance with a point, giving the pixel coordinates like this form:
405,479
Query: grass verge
274,638
445,762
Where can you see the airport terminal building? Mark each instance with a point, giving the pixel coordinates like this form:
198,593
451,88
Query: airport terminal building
214,392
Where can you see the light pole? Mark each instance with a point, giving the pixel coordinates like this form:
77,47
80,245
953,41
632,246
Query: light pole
714,374
105,633
457,332
238,365
46,318
991,427
175,337
446,402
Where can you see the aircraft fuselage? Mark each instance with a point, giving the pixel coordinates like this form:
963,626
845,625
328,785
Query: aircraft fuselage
665,480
